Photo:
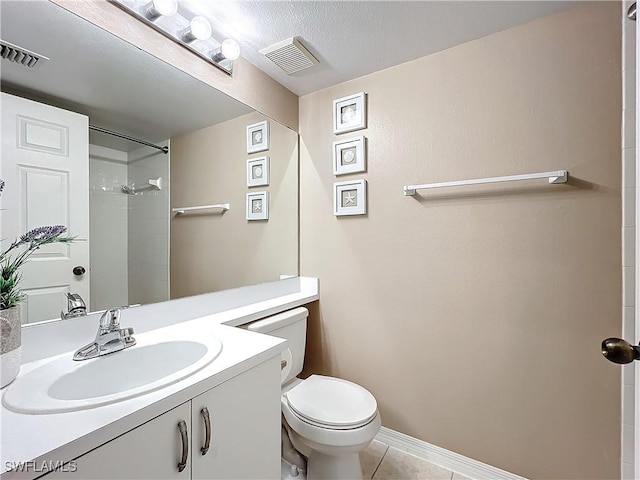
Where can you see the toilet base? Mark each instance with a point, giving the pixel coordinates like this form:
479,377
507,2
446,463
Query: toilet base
334,467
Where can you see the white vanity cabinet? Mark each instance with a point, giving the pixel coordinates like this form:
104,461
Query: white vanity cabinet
245,427
151,450
244,440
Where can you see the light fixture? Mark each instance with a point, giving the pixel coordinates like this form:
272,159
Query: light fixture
192,32
199,29
229,50
158,8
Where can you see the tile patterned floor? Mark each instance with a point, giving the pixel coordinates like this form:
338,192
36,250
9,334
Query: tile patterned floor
381,462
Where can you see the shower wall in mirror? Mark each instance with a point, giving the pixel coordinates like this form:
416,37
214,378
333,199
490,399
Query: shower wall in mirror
128,226
139,250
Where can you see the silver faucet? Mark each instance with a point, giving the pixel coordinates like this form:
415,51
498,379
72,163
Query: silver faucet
110,337
75,306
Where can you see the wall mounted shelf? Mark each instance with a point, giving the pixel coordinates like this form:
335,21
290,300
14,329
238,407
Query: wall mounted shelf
183,210
555,177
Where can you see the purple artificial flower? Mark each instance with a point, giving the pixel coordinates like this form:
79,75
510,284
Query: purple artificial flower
42,234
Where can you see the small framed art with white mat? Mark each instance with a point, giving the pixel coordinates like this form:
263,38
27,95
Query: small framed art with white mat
350,198
349,156
258,206
257,172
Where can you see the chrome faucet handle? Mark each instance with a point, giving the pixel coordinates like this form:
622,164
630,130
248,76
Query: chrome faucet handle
110,320
75,301
75,307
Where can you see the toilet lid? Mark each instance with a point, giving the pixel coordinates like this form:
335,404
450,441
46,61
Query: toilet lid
332,402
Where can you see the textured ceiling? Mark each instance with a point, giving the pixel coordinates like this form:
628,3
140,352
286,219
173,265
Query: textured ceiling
122,88
354,38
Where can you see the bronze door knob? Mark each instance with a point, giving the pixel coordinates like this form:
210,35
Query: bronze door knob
79,271
620,351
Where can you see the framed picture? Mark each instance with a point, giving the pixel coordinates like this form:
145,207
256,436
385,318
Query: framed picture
349,156
257,171
258,206
350,198
349,113
258,137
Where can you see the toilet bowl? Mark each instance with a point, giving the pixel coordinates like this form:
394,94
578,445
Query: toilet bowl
328,420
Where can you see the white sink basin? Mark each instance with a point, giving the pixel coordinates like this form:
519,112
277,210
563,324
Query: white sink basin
64,385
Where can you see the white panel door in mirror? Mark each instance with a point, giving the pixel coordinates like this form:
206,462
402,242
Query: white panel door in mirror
44,201
46,172
43,136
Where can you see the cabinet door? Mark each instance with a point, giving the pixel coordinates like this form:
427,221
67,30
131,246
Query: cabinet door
150,451
245,427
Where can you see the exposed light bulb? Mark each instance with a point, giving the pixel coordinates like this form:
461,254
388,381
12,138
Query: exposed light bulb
199,29
157,8
230,49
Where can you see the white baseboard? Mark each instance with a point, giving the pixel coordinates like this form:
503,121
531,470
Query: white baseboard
450,460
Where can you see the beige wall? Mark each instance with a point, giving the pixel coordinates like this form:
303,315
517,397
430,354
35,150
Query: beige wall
249,84
211,252
475,315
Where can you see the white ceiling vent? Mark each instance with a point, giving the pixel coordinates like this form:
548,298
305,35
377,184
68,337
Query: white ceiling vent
13,53
290,55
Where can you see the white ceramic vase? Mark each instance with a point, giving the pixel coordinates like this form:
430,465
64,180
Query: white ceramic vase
10,354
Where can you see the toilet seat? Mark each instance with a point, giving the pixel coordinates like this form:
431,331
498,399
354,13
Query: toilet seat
331,403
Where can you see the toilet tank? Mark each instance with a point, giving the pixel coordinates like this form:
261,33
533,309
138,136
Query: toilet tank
292,326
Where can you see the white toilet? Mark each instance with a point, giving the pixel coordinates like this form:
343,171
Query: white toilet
328,420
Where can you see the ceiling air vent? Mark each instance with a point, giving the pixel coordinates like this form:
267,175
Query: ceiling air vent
13,53
290,55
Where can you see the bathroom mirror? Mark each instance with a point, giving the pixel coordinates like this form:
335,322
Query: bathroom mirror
140,251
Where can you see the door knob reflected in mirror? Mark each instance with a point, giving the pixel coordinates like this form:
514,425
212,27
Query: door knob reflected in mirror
79,270
620,351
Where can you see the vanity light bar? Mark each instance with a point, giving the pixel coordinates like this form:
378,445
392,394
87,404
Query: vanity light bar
157,15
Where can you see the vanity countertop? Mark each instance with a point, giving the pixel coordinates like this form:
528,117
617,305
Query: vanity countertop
65,436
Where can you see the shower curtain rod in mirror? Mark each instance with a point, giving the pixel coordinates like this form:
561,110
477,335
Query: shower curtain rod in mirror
164,150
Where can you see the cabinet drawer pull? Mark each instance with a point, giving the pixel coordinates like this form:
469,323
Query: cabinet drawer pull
182,426
207,430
